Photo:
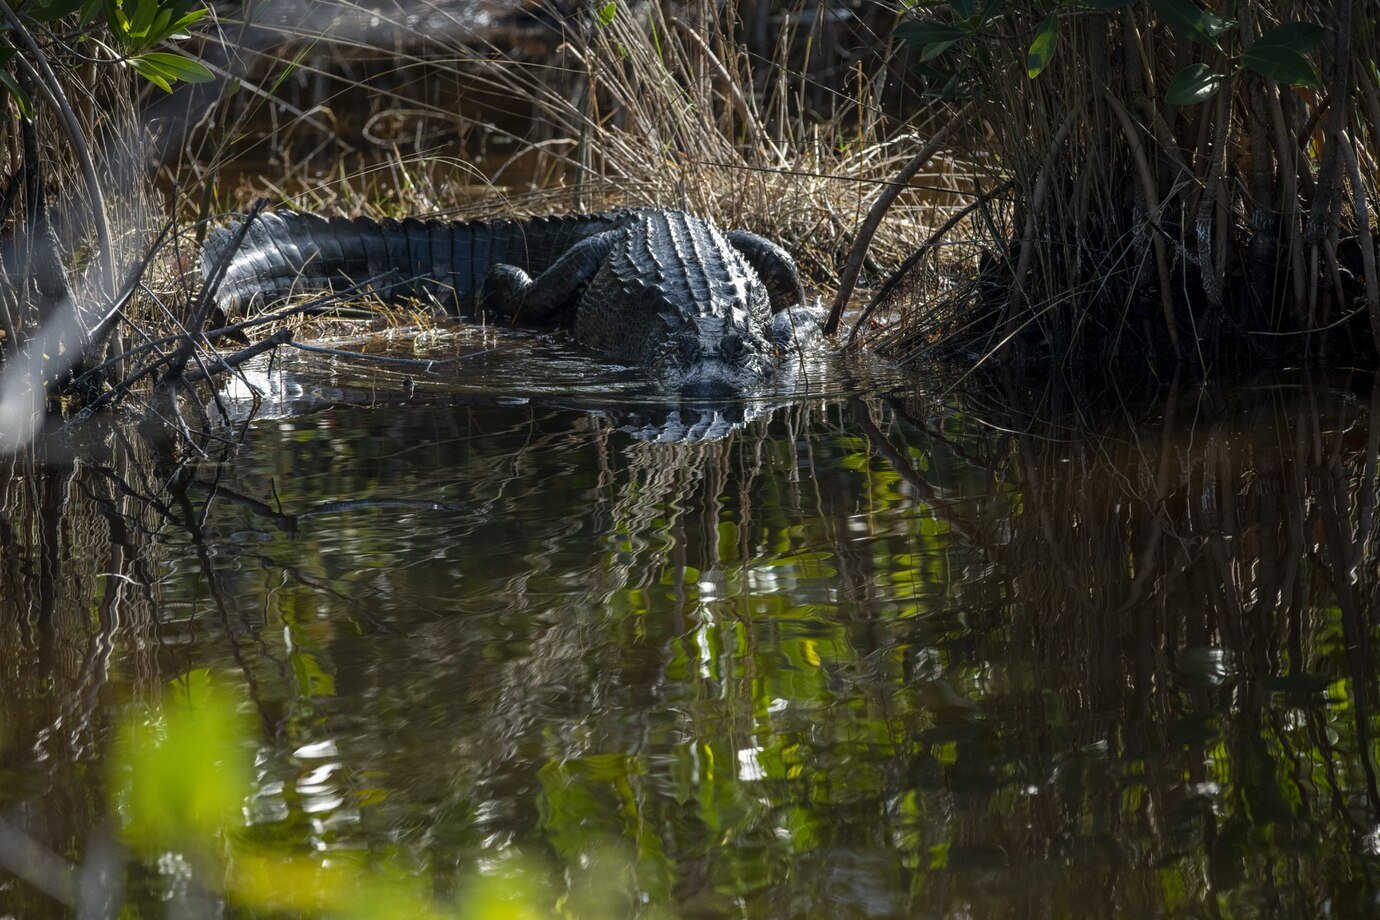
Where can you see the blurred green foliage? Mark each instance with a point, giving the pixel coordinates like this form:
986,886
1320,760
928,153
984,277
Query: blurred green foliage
181,777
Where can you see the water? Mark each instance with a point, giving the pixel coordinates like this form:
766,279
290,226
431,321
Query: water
875,651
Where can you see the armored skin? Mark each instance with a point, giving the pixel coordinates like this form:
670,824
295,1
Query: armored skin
705,310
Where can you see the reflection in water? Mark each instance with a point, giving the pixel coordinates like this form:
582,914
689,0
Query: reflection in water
859,657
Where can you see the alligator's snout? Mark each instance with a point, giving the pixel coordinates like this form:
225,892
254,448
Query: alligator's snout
715,358
712,380
715,375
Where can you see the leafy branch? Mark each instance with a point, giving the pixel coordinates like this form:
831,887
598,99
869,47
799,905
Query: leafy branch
947,50
136,27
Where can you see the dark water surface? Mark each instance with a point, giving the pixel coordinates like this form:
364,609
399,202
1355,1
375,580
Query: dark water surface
872,653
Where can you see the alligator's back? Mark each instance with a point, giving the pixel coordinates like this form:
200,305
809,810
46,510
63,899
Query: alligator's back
676,295
289,252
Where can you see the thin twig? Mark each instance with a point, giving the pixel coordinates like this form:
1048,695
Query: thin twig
51,89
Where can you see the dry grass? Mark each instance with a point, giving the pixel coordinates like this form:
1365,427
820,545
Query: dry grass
658,106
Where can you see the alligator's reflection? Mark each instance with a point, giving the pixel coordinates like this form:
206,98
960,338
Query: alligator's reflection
268,391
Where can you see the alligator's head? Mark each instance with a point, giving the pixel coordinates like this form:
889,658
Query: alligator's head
675,297
713,356
705,340
717,354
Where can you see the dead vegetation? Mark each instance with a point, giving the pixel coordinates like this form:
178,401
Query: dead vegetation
660,103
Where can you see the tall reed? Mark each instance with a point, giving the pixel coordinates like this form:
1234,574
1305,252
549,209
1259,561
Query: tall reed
1185,182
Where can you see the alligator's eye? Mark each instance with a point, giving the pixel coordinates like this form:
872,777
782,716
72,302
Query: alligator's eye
732,347
689,351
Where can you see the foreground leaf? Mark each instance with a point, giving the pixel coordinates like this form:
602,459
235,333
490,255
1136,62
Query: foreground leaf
1194,84
1042,48
1283,65
182,770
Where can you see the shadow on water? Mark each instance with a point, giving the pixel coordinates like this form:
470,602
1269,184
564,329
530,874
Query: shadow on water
862,656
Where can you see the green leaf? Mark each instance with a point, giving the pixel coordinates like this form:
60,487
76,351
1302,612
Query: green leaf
1105,5
159,30
607,12
1302,37
1283,65
153,73
930,38
21,98
1042,48
950,91
90,10
139,23
188,70
1187,19
195,15
1194,84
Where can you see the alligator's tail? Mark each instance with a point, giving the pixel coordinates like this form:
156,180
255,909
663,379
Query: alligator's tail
288,252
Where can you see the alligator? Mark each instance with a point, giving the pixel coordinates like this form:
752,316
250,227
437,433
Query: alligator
706,311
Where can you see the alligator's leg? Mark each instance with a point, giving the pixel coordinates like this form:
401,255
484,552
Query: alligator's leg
508,291
773,265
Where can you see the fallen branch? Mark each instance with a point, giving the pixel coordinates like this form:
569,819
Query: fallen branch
848,279
913,260
229,362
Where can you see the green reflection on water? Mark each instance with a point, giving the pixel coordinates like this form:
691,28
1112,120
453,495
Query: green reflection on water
865,658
